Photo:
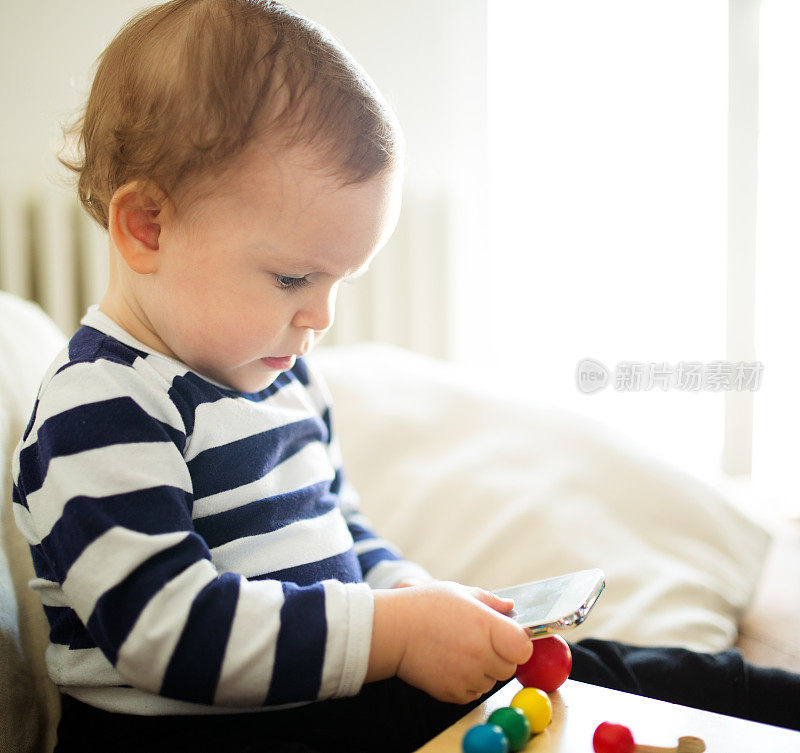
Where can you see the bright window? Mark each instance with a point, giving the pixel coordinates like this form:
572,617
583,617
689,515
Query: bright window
776,447
608,155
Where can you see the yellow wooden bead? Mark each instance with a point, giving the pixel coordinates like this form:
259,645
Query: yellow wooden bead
536,706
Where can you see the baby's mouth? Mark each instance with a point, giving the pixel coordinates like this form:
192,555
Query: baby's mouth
281,363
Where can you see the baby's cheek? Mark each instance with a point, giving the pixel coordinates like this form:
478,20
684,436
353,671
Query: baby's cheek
240,341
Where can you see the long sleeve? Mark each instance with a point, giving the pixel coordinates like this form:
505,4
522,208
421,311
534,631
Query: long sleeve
104,496
382,563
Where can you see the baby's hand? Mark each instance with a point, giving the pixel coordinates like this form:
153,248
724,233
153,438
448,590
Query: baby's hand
450,640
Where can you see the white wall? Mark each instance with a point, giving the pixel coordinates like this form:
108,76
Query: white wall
428,58
46,50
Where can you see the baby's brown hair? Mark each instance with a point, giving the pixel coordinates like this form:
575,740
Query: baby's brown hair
185,86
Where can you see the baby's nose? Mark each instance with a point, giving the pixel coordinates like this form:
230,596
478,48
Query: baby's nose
317,312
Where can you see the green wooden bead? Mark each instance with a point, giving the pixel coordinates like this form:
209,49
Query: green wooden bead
514,723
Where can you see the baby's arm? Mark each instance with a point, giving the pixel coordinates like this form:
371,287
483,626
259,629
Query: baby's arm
447,639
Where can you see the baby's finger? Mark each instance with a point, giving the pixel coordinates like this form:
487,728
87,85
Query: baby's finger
493,600
484,687
510,641
501,669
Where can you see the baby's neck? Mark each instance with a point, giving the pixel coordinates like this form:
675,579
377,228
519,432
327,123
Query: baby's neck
128,316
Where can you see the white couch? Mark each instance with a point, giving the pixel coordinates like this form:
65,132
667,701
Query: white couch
475,487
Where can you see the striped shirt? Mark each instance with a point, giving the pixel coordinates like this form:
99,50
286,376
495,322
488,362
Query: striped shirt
196,549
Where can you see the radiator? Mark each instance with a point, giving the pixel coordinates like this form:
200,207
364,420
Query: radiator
53,254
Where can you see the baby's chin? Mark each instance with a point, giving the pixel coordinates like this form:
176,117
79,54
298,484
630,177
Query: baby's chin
252,383
251,377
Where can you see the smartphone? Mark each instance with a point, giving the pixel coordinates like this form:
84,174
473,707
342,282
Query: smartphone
549,606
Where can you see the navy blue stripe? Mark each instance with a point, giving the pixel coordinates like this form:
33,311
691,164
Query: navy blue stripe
243,461
161,509
265,515
326,419
67,629
369,559
342,567
87,342
338,478
187,392
300,370
281,381
194,669
118,609
359,532
120,420
61,627
297,672
197,390
41,564
185,406
31,421
17,497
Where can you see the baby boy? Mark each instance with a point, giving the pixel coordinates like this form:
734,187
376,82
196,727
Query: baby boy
198,548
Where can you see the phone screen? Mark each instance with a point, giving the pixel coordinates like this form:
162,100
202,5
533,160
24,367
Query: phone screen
546,606
535,605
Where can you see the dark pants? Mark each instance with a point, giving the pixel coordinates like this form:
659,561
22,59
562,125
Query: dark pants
393,716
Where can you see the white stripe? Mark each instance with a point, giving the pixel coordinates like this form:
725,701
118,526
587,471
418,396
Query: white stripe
336,639
15,462
359,638
335,452
61,359
24,521
231,419
317,387
304,468
296,544
50,592
389,573
349,500
368,545
108,560
348,612
97,473
86,383
250,654
161,366
80,666
144,656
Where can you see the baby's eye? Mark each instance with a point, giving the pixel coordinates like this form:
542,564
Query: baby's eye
290,283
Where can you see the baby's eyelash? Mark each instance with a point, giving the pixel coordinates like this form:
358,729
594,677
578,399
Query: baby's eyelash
291,283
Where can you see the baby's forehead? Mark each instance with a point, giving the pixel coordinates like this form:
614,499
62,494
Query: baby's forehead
263,199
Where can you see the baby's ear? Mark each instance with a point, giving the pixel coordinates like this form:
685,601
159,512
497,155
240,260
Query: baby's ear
134,224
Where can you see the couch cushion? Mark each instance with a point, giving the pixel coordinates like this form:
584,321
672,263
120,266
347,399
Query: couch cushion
29,702
491,492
